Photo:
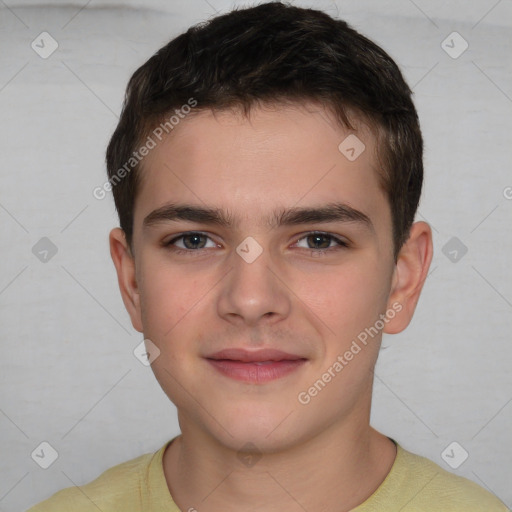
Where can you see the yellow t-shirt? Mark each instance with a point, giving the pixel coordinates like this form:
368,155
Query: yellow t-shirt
414,484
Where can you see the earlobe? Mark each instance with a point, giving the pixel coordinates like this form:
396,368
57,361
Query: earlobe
410,273
126,275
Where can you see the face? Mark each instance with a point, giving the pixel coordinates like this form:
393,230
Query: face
261,235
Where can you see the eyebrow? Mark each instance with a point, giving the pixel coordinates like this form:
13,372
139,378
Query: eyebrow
332,212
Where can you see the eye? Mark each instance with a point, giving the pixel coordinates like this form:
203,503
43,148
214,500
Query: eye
190,241
321,242
193,241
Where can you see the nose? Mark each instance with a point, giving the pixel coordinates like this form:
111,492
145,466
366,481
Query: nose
253,292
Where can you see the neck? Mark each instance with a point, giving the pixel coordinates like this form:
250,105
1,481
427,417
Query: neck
333,472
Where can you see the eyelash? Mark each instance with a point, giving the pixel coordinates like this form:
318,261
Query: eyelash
342,244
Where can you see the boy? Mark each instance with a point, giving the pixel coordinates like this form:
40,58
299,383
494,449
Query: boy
266,169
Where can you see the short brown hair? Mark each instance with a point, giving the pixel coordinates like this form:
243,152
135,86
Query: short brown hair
272,53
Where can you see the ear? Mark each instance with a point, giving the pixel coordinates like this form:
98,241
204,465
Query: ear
126,276
409,276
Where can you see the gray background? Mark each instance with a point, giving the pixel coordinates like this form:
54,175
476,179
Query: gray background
68,373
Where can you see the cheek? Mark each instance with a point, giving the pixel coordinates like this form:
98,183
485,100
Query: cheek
347,299
169,301
167,297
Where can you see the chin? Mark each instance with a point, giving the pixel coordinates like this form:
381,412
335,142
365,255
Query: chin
268,432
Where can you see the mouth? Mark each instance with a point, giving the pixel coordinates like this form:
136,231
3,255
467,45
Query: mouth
255,367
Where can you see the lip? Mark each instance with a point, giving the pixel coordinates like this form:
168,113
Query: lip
258,366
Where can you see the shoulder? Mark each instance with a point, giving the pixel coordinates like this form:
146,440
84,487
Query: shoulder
430,487
118,488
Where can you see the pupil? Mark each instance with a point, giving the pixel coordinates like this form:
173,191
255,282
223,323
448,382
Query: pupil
195,240
318,241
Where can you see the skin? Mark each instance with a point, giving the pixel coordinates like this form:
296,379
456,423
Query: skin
292,298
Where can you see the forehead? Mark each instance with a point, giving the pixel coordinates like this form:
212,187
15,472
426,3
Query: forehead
277,156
